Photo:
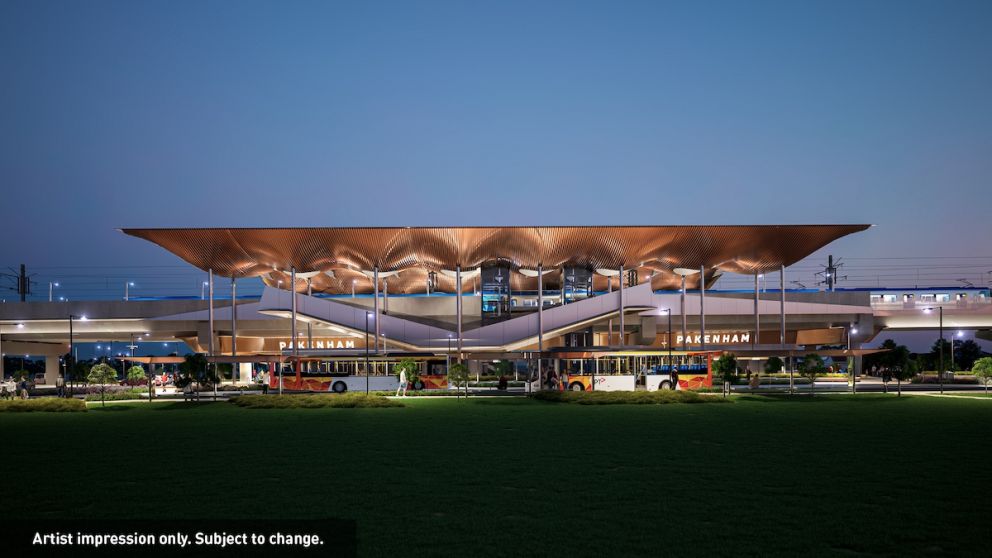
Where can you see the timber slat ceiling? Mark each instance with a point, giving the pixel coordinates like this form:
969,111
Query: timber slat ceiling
343,253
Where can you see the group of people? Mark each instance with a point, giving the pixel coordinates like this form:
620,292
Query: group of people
10,389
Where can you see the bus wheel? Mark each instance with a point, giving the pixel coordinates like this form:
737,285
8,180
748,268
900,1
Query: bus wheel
576,386
339,387
664,385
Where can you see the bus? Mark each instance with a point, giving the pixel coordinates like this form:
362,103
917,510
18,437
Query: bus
340,374
610,370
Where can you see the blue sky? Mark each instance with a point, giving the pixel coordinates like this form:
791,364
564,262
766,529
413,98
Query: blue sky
423,113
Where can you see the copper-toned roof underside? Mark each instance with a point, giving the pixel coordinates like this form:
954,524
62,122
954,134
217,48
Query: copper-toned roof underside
343,253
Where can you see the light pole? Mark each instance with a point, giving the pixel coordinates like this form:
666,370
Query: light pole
940,370
127,289
447,357
851,330
366,350
72,350
203,291
51,287
959,334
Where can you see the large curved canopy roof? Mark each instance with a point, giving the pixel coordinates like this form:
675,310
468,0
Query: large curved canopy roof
342,255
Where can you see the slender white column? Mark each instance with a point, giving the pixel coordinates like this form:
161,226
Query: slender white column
682,309
609,324
757,320
702,304
781,306
621,306
234,316
540,321
210,311
458,307
294,338
375,279
309,325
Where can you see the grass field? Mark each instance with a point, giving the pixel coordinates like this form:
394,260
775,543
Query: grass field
829,475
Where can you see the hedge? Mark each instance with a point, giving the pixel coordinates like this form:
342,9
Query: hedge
661,397
344,400
47,405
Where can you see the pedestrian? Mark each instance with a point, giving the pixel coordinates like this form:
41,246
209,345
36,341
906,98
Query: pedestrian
24,388
263,378
675,378
60,386
403,382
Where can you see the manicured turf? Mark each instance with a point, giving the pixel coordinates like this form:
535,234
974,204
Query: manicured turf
512,477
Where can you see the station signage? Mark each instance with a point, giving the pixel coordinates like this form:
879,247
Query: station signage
715,338
321,343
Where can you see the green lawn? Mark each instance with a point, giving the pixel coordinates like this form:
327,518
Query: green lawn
511,477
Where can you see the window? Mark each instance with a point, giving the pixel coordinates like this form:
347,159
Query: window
907,298
943,297
889,298
927,298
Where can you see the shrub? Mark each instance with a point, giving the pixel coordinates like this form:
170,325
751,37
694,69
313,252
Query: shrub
118,395
660,397
344,400
53,405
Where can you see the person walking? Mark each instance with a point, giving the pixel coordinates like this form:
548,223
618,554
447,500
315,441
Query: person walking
263,378
403,383
60,386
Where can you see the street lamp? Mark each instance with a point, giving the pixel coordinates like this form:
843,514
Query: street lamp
851,330
51,287
447,357
72,348
940,374
959,334
127,291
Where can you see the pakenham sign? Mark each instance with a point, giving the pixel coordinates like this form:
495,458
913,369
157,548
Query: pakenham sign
716,338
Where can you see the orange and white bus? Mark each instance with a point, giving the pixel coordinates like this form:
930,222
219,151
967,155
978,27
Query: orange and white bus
632,370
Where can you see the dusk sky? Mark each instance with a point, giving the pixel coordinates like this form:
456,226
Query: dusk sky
467,113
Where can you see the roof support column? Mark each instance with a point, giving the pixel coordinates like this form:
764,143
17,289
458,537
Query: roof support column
702,304
781,306
540,323
210,311
385,301
682,310
458,307
234,316
309,325
757,319
375,279
295,338
609,324
620,279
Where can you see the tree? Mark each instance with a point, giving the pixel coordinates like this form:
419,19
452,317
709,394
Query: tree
135,374
194,369
904,371
983,371
458,375
812,369
102,374
411,368
966,353
725,367
773,365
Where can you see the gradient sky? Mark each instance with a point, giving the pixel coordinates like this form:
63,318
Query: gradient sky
429,113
